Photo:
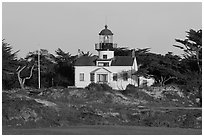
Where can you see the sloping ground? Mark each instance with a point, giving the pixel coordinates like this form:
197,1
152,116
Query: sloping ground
66,107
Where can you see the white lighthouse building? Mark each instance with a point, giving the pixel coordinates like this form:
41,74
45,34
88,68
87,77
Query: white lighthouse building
116,71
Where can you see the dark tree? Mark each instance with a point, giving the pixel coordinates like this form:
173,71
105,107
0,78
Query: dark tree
192,47
164,68
9,66
192,62
65,68
85,53
124,51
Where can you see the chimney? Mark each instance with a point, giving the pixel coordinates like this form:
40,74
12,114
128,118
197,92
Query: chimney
133,53
79,52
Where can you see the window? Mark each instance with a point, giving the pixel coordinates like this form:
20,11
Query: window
102,78
125,76
92,75
106,39
115,77
81,76
100,64
104,56
103,64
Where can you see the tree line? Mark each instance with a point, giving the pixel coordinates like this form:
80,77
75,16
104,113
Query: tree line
58,70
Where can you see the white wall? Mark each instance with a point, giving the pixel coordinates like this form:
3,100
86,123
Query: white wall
86,70
150,81
110,54
119,84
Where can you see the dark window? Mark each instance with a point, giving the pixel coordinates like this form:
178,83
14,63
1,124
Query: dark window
105,64
125,76
92,77
104,56
115,77
81,76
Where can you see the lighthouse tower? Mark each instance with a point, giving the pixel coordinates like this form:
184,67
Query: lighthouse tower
105,46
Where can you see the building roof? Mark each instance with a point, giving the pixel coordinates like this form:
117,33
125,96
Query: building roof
116,61
122,61
103,59
106,31
86,61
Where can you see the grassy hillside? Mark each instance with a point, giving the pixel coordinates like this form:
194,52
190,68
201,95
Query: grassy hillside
58,107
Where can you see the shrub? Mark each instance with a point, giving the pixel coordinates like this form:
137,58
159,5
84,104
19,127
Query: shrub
148,121
106,87
171,95
93,87
131,89
136,92
98,87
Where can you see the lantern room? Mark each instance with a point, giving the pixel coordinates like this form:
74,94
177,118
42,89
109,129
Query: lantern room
105,40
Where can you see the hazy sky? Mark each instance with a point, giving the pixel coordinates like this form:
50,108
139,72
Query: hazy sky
73,26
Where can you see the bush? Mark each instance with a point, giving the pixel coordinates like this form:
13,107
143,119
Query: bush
105,87
131,89
98,87
136,92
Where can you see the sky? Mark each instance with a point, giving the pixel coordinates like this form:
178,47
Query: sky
72,26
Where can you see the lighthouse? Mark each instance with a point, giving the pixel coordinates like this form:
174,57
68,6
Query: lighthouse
105,47
106,68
